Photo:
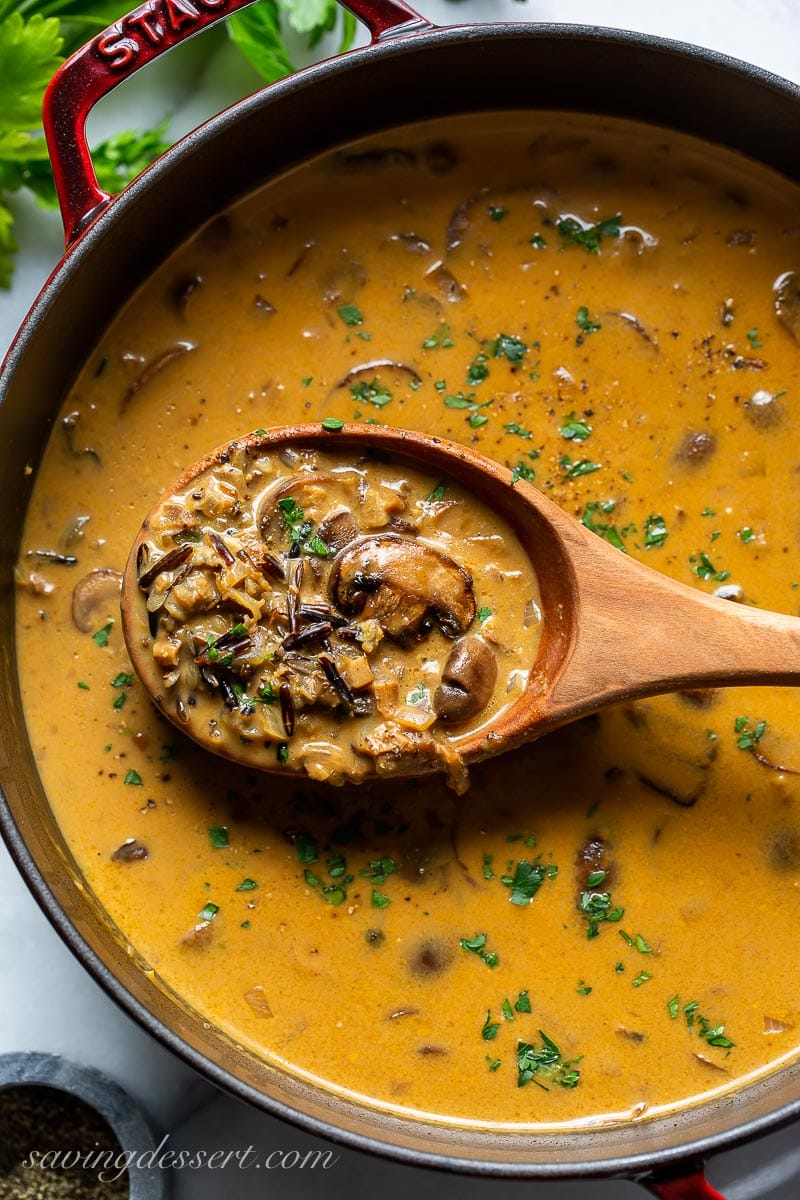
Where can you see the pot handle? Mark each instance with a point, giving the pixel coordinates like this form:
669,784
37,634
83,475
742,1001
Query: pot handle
116,53
694,1186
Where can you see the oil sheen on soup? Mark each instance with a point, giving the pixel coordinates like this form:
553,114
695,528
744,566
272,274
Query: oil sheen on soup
602,926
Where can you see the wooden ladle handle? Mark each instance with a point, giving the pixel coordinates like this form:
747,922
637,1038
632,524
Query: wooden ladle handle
634,632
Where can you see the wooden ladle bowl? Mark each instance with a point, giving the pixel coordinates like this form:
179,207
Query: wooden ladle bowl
613,629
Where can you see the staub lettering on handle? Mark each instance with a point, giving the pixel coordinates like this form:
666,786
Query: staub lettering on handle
151,26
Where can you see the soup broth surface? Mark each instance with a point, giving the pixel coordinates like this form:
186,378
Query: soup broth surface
603,926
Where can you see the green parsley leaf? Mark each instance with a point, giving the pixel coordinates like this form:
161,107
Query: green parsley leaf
538,242
477,945
379,900
641,978
218,836
374,393
494,1063
301,532
247,885
351,315
209,912
655,531
490,1028
574,470
598,907
534,1064
523,471
497,213
306,849
703,568
83,685
133,778
574,429
672,1007
101,637
583,989
748,736
585,322
518,430
436,494
752,337
333,424
528,877
522,1003
509,346
488,873
578,233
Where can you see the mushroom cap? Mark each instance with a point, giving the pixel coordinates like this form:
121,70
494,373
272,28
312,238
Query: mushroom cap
401,582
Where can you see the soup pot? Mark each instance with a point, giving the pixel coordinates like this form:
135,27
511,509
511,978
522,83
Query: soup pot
412,70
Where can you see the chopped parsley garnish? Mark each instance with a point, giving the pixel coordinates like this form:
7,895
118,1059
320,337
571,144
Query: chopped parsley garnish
598,907
528,877
713,1034
301,532
595,879
592,521
247,885
333,424
574,232
703,568
475,418
218,836
746,534
436,494
378,869
535,1064
583,989
574,470
306,849
493,1063
497,213
101,637
209,912
490,1028
639,942
351,315
336,892
124,679
483,613
477,945
509,346
655,531
133,778
523,471
418,694
375,393
753,339
84,686
641,978
748,735
538,242
522,1004
379,900
508,1011
574,429
488,873
585,322
518,430
477,370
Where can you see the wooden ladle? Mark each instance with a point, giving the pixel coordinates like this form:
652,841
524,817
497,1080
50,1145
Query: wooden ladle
613,629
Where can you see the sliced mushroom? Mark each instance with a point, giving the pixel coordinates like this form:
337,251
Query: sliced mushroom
696,447
95,596
404,586
154,368
468,679
130,851
787,302
764,409
338,530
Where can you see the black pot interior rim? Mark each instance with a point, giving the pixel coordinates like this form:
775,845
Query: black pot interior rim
668,1160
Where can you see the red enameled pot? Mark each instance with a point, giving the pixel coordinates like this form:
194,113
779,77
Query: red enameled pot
412,70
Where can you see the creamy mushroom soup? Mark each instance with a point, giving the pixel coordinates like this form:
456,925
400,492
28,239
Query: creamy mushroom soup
602,927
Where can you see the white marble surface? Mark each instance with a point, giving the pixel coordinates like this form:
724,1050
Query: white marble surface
47,1001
